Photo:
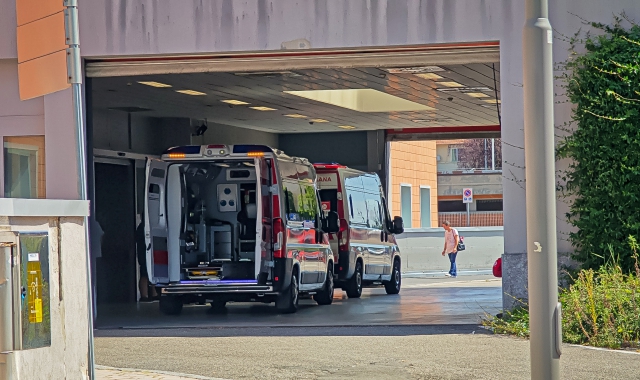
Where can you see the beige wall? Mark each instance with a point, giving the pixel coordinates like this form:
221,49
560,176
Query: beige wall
414,163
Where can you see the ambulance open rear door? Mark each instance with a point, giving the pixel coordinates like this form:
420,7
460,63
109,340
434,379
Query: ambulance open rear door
155,228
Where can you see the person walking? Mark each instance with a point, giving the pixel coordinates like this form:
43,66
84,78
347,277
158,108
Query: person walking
451,240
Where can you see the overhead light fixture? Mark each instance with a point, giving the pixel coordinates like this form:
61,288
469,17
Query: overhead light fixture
492,106
440,120
346,126
263,108
318,120
191,92
155,84
463,89
450,84
430,76
477,94
234,102
362,100
296,116
492,101
414,70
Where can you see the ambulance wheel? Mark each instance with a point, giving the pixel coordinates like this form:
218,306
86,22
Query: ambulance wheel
354,284
171,305
393,286
287,302
325,296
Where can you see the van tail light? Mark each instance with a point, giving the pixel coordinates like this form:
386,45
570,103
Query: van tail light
343,236
279,238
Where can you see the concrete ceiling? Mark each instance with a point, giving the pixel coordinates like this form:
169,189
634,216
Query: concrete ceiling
452,106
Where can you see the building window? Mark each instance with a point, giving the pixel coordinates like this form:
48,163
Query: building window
24,167
454,154
451,206
489,205
405,204
425,207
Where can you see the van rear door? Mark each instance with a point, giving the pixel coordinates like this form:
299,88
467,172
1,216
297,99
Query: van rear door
267,210
155,229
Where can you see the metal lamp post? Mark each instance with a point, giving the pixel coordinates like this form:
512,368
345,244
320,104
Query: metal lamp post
545,312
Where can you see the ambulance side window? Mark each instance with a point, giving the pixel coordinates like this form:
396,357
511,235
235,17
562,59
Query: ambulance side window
292,198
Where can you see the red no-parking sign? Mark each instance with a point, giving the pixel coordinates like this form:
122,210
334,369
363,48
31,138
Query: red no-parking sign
467,195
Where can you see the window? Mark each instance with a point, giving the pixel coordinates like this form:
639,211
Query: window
308,203
489,205
358,208
454,154
451,206
425,207
405,205
374,211
292,197
24,167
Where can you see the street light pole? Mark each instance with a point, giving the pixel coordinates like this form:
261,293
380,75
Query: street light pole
544,309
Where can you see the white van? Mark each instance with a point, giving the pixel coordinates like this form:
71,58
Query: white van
236,223
365,248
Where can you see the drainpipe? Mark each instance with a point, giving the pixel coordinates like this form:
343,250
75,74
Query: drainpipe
74,77
493,154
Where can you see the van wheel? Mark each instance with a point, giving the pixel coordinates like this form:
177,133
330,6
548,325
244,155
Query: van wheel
354,284
393,286
287,302
325,296
171,305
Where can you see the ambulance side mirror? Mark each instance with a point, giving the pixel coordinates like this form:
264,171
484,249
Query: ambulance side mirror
398,225
331,223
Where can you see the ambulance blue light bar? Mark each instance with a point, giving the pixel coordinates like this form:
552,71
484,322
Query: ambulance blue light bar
251,148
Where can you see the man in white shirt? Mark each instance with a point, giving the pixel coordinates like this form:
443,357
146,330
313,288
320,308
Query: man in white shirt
451,240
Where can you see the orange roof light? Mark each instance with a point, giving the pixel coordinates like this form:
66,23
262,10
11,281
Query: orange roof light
177,155
255,154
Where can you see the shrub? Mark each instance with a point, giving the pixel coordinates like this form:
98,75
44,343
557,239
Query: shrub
601,308
602,181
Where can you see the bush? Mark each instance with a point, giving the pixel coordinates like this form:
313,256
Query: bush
601,308
602,181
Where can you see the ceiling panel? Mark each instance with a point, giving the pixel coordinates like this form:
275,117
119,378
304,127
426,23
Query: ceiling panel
453,107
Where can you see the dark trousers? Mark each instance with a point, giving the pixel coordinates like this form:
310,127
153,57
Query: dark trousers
454,269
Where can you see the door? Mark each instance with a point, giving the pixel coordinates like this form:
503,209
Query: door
266,206
155,228
115,212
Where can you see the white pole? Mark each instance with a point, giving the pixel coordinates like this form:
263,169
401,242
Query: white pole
542,254
74,77
493,154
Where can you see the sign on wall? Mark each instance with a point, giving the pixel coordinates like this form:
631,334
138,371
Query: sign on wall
467,195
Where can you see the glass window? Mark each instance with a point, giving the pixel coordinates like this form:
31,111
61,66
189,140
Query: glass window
405,205
292,197
489,205
425,207
24,167
374,211
454,154
308,203
358,207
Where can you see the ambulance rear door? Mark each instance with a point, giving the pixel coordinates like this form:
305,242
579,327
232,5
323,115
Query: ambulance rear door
155,228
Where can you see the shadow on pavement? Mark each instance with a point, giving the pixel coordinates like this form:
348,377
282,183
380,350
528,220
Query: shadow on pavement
283,331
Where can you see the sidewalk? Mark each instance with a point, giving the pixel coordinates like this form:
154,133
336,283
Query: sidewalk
110,373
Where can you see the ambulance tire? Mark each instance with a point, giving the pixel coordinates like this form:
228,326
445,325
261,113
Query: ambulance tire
325,295
393,286
171,305
287,301
354,284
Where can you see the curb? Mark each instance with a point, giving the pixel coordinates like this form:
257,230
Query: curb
176,374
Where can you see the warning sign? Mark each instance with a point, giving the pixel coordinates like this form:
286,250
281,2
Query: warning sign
467,195
34,291
326,207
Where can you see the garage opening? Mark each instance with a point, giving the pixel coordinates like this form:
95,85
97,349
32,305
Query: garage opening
343,106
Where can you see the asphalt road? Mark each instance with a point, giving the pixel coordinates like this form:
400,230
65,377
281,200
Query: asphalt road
429,331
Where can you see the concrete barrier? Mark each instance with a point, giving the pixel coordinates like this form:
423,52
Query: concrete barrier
421,248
